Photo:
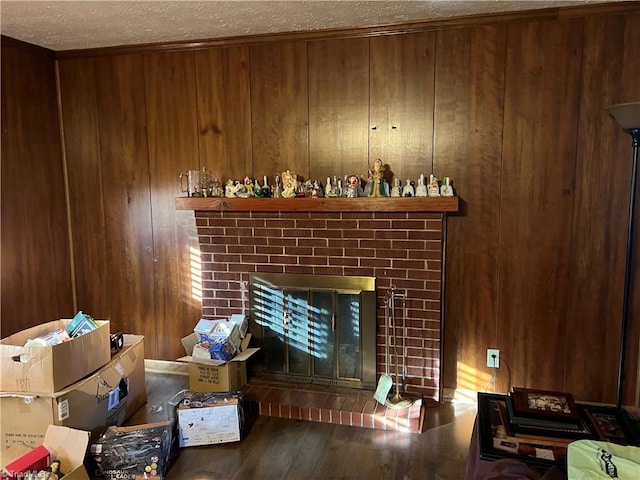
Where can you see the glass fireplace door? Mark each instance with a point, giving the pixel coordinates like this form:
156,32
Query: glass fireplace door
311,335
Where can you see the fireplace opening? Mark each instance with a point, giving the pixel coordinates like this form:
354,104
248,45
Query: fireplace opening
314,329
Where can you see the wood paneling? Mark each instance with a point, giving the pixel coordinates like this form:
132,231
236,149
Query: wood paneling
224,112
401,109
534,258
541,107
601,208
338,107
173,148
125,196
79,105
467,147
279,109
36,267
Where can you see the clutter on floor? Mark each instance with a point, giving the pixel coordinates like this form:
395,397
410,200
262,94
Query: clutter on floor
69,386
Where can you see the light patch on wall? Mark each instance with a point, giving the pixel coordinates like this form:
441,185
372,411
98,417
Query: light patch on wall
470,381
195,265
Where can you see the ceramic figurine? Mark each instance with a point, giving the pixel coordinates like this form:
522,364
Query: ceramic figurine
353,188
421,189
396,191
229,189
434,188
376,187
446,190
277,189
408,190
216,188
289,184
329,189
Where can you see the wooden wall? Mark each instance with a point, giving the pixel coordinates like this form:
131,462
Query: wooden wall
36,272
511,109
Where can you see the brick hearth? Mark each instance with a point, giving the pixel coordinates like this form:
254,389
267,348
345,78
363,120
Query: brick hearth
404,249
337,405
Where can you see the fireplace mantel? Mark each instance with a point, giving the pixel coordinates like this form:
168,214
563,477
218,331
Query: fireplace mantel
363,204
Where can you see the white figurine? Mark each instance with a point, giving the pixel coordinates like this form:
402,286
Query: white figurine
408,190
434,188
421,189
396,191
446,190
290,184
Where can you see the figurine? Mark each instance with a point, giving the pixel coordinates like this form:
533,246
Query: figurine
216,188
229,189
330,189
446,190
434,188
421,189
408,190
376,186
354,187
290,184
277,189
396,191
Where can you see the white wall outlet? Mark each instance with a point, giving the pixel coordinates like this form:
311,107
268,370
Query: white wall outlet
493,358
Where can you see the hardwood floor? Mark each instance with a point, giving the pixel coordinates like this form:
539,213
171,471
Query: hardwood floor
279,448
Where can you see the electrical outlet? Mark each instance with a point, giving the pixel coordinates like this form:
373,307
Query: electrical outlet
493,358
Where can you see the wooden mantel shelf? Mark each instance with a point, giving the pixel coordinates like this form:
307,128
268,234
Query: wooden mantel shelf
361,204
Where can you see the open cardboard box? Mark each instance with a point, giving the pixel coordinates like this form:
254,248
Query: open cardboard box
108,397
65,444
50,369
208,375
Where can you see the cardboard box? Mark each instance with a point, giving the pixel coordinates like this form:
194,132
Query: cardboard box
108,397
65,444
209,418
50,369
134,452
218,376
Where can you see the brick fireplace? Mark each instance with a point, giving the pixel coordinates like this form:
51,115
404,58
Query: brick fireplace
401,248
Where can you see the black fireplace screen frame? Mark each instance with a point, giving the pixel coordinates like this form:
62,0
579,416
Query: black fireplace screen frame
273,319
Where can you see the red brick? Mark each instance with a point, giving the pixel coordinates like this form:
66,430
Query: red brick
252,223
345,262
298,251
314,414
328,252
313,242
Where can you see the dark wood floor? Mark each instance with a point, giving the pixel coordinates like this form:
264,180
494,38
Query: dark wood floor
278,448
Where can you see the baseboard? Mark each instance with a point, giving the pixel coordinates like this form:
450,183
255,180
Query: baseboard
166,366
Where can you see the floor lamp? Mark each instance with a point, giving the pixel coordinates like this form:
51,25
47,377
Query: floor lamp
628,116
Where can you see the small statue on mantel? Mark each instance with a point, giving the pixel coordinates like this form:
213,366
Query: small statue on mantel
277,189
289,184
396,190
377,185
353,187
434,187
408,190
421,188
446,190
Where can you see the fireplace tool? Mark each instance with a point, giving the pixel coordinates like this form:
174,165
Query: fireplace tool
386,382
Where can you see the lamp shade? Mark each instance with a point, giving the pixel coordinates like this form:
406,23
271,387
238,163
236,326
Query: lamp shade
626,114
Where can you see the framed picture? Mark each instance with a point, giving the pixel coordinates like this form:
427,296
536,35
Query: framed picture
495,441
612,424
544,403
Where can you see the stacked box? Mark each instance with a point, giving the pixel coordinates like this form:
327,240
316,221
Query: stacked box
51,368
107,397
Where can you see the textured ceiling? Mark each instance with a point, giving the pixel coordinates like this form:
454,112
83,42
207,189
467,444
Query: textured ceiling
69,25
